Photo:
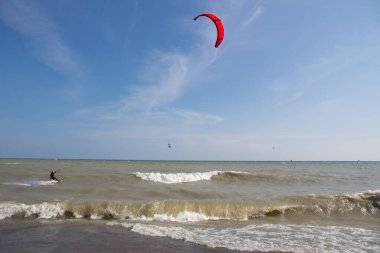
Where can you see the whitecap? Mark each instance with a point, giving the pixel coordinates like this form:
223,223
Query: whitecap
185,216
42,210
173,178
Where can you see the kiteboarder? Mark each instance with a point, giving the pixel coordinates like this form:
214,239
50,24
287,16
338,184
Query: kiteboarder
52,176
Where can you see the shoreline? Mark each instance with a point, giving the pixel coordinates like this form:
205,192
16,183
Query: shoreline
58,237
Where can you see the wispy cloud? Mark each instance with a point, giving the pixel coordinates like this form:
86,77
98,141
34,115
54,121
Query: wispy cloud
173,69
27,19
321,70
134,14
164,81
151,104
177,70
255,14
238,18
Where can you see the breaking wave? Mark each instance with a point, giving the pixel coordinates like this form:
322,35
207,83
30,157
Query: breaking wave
19,210
223,176
173,178
365,203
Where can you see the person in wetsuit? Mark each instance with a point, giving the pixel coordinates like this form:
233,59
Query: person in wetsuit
52,176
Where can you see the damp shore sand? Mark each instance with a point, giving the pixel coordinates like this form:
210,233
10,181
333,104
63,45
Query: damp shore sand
77,237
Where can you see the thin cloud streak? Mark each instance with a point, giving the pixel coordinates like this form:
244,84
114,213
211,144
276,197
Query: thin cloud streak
255,14
318,72
174,70
164,79
26,19
178,69
150,104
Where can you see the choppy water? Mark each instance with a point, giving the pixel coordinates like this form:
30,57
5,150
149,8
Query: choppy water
266,206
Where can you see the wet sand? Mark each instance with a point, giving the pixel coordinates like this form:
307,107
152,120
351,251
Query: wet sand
58,237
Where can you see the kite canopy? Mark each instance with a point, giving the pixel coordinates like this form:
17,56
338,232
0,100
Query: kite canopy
218,24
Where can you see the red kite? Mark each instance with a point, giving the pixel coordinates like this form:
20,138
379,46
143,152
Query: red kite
218,24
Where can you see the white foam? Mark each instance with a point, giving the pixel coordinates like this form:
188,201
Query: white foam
180,217
123,224
44,210
47,182
173,178
273,237
33,183
95,217
17,183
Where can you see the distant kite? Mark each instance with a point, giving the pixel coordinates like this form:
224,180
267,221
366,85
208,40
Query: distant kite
169,145
218,24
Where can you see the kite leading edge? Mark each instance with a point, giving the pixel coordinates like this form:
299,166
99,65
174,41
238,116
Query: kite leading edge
219,27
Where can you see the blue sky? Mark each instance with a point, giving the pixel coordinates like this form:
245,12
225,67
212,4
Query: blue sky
292,80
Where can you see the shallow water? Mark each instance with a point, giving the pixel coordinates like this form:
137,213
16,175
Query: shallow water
289,206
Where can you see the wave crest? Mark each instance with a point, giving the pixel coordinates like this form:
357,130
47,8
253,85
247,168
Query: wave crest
365,203
223,176
173,178
19,210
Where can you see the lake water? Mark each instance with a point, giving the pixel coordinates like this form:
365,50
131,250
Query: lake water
248,206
